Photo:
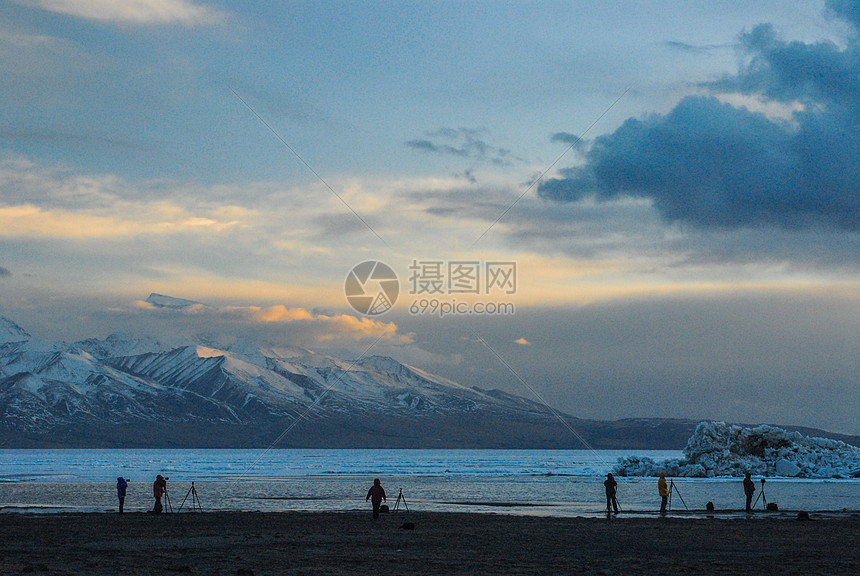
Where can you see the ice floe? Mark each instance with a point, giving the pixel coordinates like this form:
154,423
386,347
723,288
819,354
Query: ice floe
720,449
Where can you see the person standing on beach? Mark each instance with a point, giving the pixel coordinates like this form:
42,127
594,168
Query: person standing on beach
611,487
376,495
121,485
158,489
663,490
749,490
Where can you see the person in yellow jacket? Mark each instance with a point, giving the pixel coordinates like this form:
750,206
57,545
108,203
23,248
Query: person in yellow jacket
663,489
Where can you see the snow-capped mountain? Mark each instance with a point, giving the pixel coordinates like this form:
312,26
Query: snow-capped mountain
122,391
172,303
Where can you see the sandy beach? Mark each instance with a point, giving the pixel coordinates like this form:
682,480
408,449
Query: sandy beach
440,543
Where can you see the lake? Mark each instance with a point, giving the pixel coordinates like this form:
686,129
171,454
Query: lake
535,482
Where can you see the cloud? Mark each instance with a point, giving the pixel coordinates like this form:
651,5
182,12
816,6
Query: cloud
463,143
280,313
30,221
566,138
361,329
695,48
180,12
305,326
713,164
4,272
821,73
333,327
848,10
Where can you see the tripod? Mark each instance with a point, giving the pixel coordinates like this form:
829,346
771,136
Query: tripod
195,500
762,496
400,498
672,487
167,499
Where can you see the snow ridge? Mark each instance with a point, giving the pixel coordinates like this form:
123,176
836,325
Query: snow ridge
122,378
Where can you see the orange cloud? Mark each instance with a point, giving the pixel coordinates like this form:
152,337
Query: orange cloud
361,328
32,221
281,313
326,328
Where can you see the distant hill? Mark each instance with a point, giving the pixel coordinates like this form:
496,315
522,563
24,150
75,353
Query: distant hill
128,392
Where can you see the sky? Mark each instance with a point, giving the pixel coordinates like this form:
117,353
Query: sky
622,209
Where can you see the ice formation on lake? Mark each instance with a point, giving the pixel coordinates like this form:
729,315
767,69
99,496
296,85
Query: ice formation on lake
720,449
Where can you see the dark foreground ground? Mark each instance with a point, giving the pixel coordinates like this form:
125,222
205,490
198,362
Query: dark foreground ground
244,543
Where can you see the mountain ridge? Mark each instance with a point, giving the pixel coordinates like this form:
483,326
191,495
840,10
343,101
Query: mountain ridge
127,392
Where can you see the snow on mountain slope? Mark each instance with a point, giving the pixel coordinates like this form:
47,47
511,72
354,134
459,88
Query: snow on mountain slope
250,390
330,383
11,332
116,345
382,383
50,383
416,378
170,302
385,380
61,386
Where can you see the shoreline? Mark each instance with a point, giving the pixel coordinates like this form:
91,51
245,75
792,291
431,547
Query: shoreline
351,542
478,508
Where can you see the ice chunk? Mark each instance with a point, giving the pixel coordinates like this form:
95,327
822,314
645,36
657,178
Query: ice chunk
720,449
785,468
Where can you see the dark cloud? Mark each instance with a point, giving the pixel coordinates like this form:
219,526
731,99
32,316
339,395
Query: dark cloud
4,272
848,10
715,165
468,175
428,146
695,48
463,143
821,74
566,138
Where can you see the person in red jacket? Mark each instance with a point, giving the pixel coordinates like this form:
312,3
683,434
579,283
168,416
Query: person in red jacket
159,487
376,495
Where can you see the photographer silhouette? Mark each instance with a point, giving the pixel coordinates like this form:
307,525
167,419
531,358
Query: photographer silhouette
159,489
